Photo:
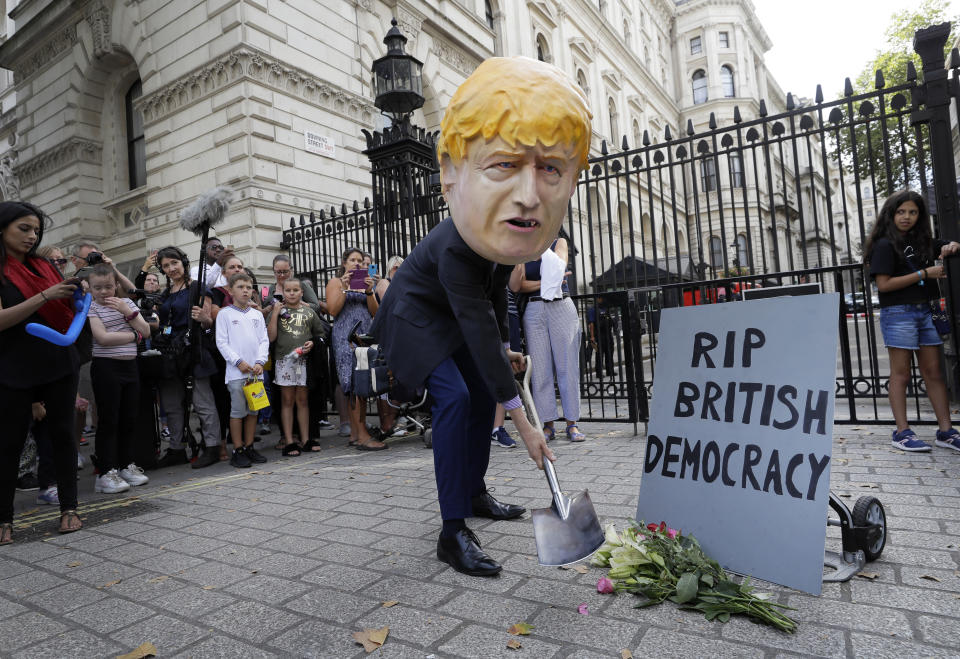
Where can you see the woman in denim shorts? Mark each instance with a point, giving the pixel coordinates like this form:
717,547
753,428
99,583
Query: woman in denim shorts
901,251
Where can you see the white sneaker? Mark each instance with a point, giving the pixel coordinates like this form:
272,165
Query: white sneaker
80,462
134,475
110,483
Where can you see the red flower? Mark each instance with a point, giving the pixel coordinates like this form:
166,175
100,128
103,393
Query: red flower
652,527
663,527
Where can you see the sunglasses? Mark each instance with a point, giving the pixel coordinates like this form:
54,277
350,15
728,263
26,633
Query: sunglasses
58,261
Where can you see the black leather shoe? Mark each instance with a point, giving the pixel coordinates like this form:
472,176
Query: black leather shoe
172,458
210,455
462,552
485,505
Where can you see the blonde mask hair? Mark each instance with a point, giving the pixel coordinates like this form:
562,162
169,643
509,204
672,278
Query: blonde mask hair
520,100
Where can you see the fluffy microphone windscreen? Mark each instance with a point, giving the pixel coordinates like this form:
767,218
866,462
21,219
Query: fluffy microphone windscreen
209,208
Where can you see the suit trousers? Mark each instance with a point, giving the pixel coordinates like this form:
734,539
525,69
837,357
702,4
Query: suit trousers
463,413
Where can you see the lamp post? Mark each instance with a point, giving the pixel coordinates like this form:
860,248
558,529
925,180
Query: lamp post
399,85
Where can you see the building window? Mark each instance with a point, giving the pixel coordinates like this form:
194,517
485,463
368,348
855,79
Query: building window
699,87
646,56
696,46
612,112
543,50
742,258
716,253
626,34
726,81
708,175
488,13
736,170
724,39
136,148
582,80
637,135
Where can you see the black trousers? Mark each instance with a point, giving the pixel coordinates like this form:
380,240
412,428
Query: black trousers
116,388
46,473
59,397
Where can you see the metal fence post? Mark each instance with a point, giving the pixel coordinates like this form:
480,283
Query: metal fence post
934,96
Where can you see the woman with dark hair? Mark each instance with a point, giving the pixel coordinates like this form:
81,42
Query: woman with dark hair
175,312
348,307
901,253
31,369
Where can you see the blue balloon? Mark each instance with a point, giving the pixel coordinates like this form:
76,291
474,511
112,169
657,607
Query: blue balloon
81,301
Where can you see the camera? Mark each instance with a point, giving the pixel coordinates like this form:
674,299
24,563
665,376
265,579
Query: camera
93,258
285,314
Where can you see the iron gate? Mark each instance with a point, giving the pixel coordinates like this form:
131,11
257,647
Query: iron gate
783,197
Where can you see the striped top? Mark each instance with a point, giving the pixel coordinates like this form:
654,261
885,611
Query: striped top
113,322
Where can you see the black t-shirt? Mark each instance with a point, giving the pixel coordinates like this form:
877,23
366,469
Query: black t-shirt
885,260
25,360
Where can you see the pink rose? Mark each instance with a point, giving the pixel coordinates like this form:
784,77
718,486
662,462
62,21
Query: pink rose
582,610
672,533
604,585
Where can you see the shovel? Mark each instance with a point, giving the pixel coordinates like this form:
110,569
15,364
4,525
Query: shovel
569,530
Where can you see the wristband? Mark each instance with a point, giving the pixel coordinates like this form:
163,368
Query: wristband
44,297
139,336
920,274
132,315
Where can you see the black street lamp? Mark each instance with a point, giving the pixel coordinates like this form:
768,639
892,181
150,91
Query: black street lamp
399,85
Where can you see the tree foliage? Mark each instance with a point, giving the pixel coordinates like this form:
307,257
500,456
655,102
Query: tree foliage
884,147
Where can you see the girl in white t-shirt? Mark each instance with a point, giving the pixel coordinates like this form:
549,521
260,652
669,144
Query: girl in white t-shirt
117,328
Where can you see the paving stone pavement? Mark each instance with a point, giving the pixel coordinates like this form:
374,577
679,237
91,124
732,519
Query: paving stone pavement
291,558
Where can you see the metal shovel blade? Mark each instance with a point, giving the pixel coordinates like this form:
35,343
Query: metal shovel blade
569,530
566,538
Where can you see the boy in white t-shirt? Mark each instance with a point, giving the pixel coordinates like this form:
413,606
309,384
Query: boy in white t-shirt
242,340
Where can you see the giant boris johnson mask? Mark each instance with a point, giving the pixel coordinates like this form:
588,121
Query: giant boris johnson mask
512,144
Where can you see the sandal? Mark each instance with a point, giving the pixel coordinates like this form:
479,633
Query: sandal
368,446
292,449
549,433
312,446
68,516
574,434
6,533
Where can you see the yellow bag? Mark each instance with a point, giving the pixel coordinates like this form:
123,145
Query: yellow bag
256,395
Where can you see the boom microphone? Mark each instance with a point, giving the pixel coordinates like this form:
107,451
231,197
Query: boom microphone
208,210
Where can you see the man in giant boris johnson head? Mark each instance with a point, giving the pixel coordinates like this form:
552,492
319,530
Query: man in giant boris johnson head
512,144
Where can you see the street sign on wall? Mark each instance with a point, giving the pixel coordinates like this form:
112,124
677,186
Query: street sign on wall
319,144
741,431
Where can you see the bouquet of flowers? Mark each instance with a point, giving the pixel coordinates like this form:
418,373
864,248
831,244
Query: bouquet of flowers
658,563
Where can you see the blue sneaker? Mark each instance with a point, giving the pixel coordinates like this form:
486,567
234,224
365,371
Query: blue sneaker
949,439
906,440
48,495
501,437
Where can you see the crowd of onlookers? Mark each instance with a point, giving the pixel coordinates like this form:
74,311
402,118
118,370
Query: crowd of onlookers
206,339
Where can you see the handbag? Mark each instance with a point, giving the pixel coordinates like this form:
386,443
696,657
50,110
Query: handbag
941,322
370,375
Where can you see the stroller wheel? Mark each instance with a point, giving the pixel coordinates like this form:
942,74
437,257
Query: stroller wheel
428,438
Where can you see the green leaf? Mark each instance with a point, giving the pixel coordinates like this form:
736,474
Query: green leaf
707,579
723,617
686,588
656,558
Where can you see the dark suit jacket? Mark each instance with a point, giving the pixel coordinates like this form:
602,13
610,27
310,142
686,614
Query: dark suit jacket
444,295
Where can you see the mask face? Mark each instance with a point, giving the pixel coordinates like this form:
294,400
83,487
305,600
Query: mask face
508,202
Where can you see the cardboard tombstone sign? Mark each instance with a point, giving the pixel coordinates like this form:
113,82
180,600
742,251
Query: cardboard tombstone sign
741,430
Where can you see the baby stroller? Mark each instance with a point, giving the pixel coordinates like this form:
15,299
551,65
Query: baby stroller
371,378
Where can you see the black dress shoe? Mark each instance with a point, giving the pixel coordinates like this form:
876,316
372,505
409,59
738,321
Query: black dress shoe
484,505
462,552
172,458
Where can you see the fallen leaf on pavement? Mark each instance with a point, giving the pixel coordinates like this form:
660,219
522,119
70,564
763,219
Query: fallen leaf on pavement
111,583
582,609
162,577
74,564
868,575
929,577
208,587
582,569
626,654
371,639
520,629
389,603
147,649
514,644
